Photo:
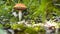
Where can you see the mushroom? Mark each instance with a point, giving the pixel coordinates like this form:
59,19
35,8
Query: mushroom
20,7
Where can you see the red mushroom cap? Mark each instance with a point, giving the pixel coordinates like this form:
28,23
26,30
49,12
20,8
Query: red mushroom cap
20,6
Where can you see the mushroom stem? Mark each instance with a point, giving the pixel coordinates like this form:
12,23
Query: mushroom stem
20,15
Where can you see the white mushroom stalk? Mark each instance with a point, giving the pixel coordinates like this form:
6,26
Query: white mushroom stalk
20,15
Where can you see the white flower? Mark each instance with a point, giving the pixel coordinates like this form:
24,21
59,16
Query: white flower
2,16
14,13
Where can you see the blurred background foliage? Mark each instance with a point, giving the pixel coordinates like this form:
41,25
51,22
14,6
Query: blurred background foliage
36,9
42,8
